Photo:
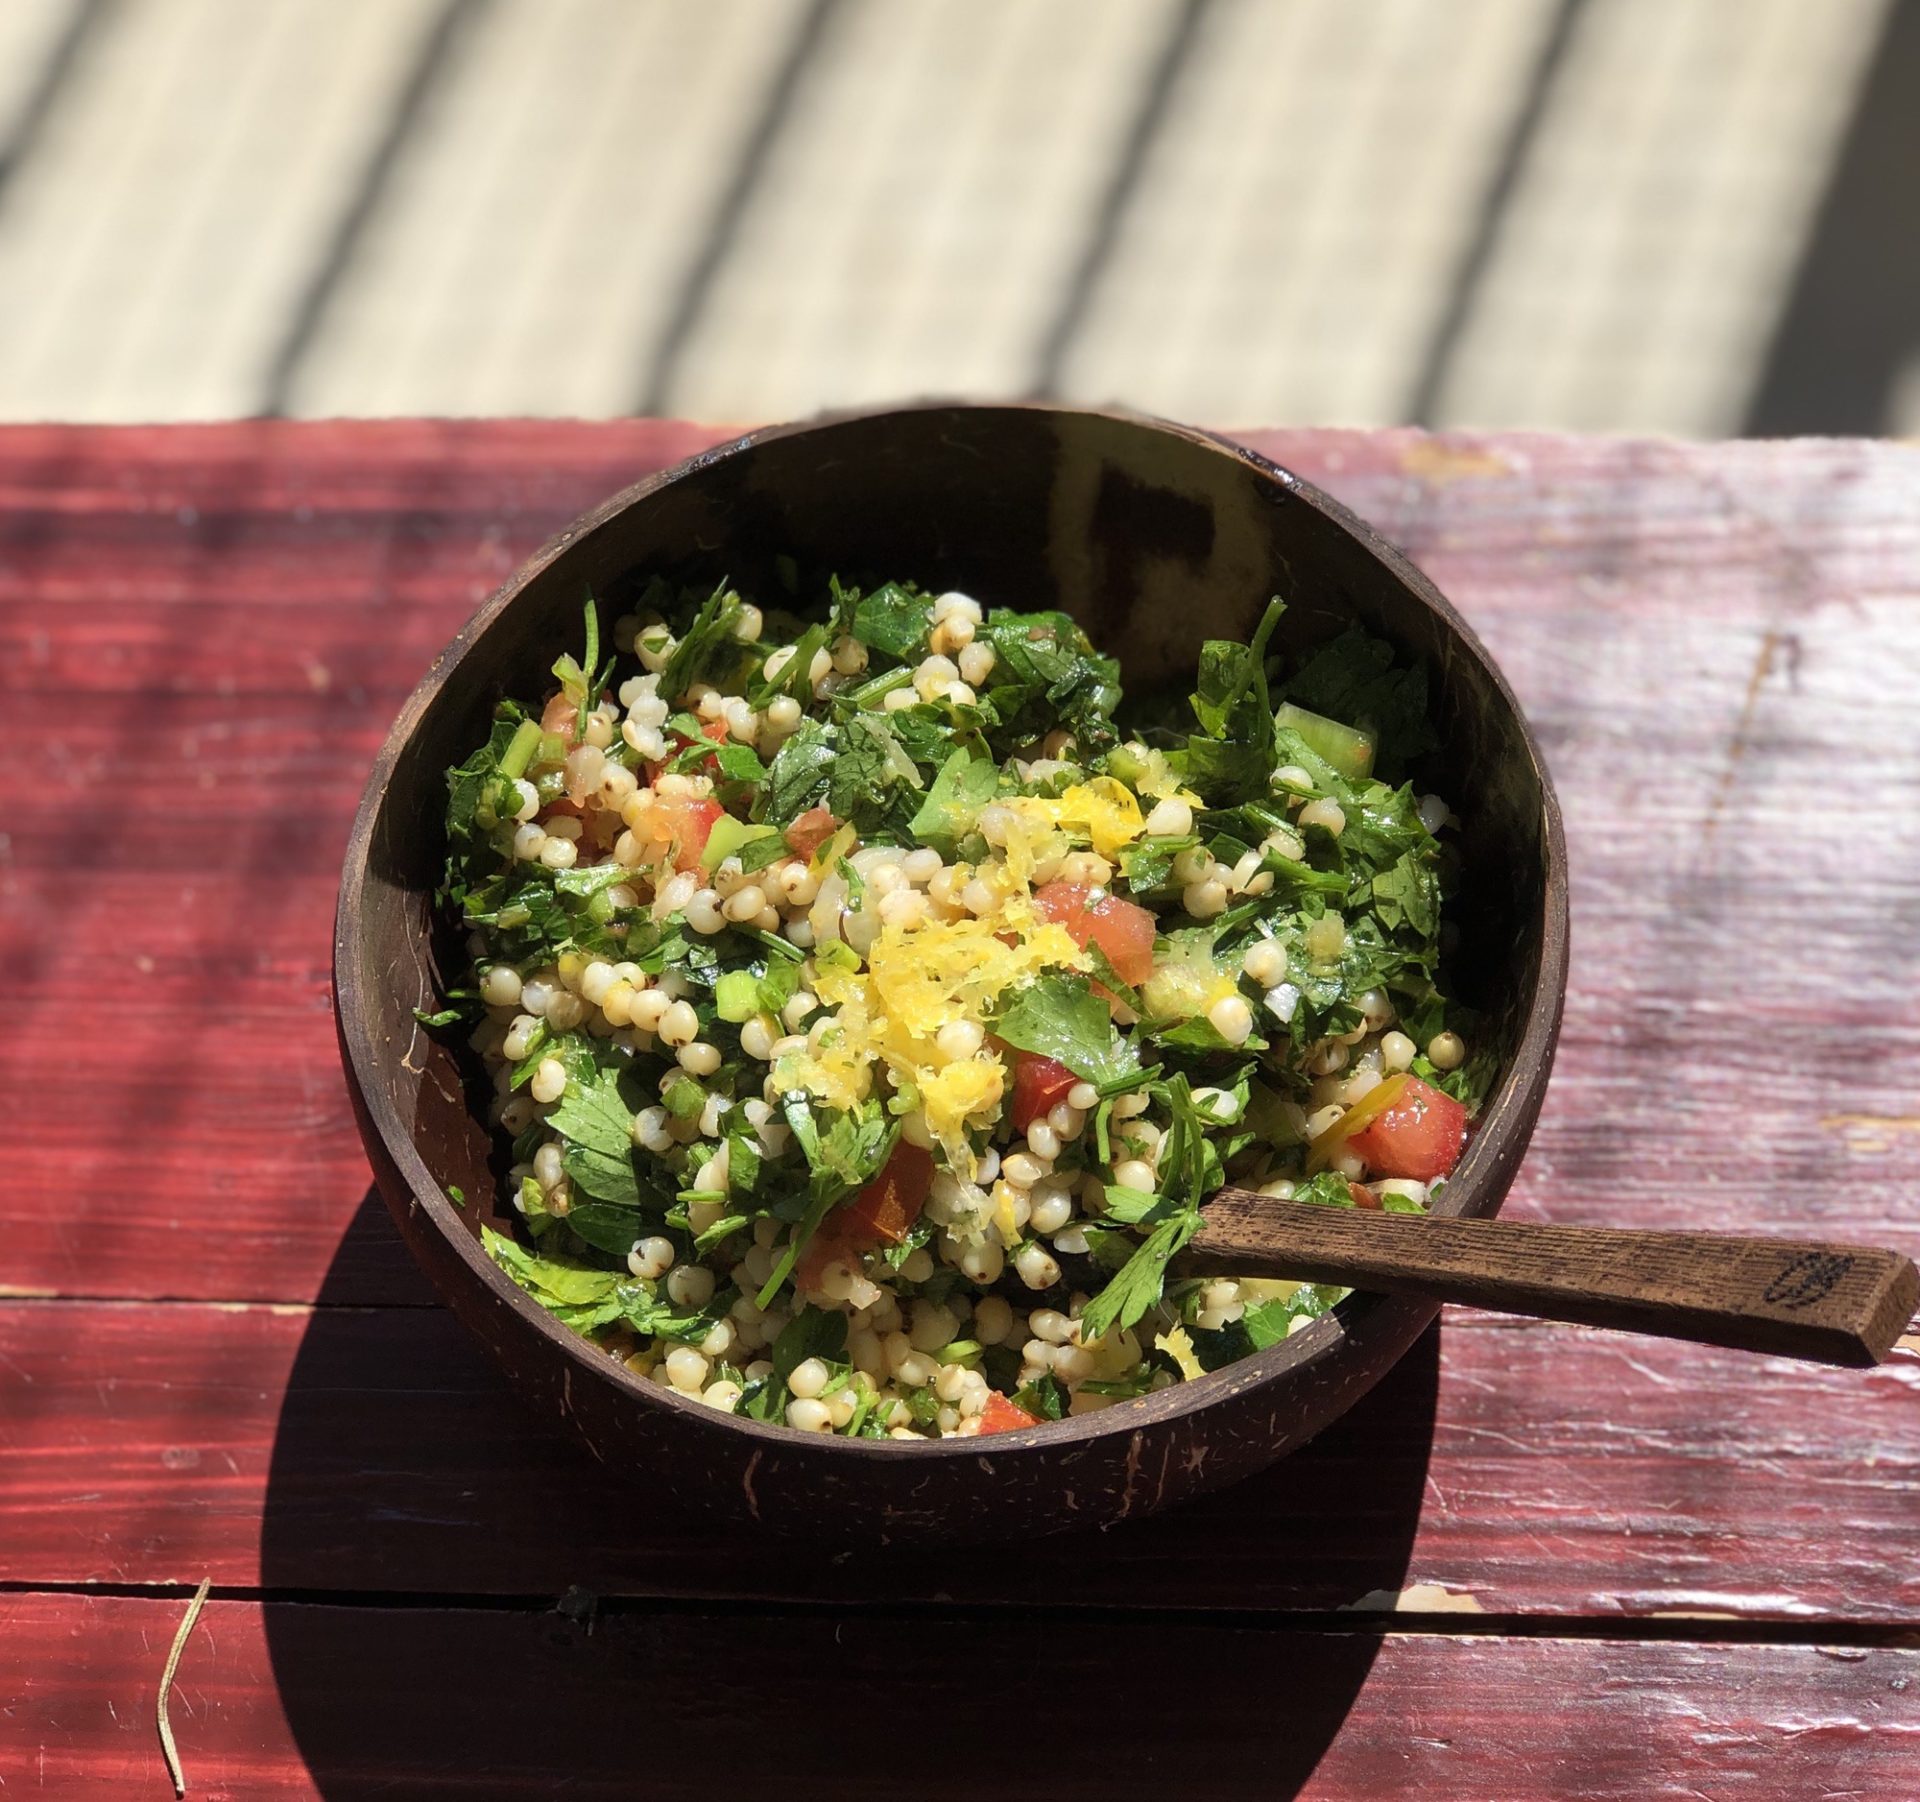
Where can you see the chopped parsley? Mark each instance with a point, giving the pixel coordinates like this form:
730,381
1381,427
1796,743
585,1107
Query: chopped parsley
797,937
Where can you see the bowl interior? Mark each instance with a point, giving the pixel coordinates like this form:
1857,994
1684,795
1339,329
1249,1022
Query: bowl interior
1154,536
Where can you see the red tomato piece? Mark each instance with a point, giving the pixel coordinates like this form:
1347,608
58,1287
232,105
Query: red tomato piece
810,831
824,1248
880,1214
688,821
1001,1416
561,717
1420,1136
1039,1084
889,1205
1121,929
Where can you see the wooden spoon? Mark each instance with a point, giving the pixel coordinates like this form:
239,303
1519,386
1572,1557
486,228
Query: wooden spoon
1829,1304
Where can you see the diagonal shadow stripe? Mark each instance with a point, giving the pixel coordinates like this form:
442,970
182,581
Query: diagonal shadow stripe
1155,100
1851,322
455,19
89,19
1471,274
663,361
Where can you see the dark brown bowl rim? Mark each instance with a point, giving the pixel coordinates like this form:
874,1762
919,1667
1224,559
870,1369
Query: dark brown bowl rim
1509,1113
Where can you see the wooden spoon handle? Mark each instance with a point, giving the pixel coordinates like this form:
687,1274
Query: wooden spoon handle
1831,1304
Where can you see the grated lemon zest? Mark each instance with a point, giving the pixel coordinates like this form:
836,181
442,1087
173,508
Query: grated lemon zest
917,979
1179,1347
1003,1214
1102,812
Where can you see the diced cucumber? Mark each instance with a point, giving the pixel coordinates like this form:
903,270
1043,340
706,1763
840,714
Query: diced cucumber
1187,978
520,749
1347,748
728,837
736,996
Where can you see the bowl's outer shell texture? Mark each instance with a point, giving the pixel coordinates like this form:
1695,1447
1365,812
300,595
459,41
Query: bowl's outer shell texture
1155,537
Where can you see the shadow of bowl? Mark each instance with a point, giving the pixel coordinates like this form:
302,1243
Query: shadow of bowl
489,1611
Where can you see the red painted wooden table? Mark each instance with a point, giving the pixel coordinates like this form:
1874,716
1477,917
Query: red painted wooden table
1539,1562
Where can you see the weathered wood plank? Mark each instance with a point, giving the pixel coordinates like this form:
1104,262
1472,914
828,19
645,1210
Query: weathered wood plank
204,631
1542,1470
284,1700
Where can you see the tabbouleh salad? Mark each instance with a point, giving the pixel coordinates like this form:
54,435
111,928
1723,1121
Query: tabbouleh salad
871,1003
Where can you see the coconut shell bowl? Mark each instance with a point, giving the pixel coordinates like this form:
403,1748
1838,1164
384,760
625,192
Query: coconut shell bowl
1155,537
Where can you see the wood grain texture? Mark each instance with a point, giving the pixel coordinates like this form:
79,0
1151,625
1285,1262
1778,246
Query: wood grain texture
202,638
285,1700
1827,1303
204,634
1537,1470
204,631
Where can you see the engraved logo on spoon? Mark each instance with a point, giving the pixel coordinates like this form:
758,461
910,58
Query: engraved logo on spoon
1809,1278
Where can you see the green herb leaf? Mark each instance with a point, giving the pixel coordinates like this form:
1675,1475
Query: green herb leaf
1138,1285
739,763
1352,678
1136,1207
562,1285
722,1229
1044,1398
802,773
1230,758
758,852
1328,1190
842,1158
481,796
605,1225
598,1127
708,643
582,884
1268,1322
965,784
1060,1017
1408,895
812,1333
1046,675
894,618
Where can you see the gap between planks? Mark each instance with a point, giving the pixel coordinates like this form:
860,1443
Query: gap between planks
1681,1628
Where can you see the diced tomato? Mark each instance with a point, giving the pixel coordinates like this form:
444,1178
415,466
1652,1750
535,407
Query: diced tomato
1039,1084
824,1248
1001,1416
1360,1195
889,1205
1419,1136
880,1214
1121,929
561,717
810,831
686,820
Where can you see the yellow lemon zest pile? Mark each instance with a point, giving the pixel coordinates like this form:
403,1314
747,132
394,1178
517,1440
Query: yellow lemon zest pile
1103,812
918,979
1178,1346
1158,782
